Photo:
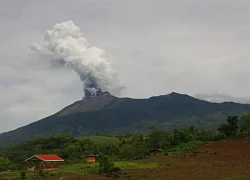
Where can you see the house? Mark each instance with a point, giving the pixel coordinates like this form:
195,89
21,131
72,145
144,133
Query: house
91,158
43,162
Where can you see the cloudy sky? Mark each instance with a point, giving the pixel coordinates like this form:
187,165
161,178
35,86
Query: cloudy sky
196,47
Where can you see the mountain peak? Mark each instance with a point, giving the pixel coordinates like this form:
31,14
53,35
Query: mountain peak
91,103
178,94
180,97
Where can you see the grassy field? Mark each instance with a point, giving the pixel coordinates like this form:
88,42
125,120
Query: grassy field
101,139
86,168
185,147
92,168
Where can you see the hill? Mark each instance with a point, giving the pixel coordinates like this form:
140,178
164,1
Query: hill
109,114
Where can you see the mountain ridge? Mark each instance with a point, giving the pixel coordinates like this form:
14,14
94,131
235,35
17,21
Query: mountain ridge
110,114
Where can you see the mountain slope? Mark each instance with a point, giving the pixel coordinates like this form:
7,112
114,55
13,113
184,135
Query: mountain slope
91,104
109,114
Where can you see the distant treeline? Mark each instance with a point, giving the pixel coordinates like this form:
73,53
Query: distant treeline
126,147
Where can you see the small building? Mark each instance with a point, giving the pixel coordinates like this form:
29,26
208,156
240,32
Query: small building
91,158
43,162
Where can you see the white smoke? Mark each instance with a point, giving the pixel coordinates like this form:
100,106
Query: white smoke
66,46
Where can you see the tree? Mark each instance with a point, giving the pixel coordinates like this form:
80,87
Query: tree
233,122
244,125
224,129
105,164
185,136
4,164
230,129
158,140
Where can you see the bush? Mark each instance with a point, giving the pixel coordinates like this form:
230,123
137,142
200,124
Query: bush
105,164
185,147
166,154
41,173
218,137
52,174
23,175
116,169
4,164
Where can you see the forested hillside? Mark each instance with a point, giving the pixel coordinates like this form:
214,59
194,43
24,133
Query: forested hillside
123,147
112,115
127,147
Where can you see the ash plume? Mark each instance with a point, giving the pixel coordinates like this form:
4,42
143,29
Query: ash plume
65,45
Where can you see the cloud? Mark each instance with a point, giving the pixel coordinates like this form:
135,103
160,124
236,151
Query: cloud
222,97
186,46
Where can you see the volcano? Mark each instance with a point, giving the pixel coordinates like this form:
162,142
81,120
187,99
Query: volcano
107,114
98,92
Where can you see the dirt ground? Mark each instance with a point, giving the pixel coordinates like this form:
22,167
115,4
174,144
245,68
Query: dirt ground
223,160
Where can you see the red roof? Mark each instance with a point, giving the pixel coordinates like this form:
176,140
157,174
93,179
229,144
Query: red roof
46,157
49,157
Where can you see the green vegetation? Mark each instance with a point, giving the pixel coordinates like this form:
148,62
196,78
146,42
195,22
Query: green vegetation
116,153
105,164
27,175
93,168
80,168
4,164
185,147
120,148
234,127
101,139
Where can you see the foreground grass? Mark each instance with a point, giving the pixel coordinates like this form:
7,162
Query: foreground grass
81,168
92,168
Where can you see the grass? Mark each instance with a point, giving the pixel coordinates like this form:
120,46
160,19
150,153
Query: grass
9,174
134,164
17,175
82,168
184,147
91,167
101,139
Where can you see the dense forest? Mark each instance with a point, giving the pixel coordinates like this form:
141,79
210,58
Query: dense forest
123,147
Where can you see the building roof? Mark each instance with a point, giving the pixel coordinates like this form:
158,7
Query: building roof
45,157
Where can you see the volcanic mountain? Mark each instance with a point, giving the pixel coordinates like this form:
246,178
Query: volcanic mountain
109,114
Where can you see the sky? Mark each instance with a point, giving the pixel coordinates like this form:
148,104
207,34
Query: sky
195,47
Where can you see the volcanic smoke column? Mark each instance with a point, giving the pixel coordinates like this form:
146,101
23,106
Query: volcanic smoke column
65,45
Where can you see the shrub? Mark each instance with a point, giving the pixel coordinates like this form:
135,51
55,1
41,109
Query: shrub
23,175
105,164
41,173
4,164
218,137
116,169
166,154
